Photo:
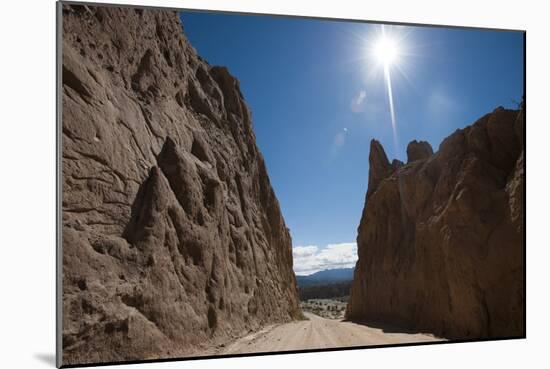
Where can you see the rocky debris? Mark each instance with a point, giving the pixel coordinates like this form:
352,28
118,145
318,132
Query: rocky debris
173,240
418,150
441,239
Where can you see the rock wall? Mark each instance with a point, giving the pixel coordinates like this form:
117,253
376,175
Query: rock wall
173,240
441,239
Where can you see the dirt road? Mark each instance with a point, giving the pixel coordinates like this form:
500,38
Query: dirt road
318,333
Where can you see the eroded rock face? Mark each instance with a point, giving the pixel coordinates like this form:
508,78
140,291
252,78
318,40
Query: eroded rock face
418,150
173,240
440,241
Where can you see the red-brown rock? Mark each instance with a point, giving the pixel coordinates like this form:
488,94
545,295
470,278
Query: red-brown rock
441,239
418,150
173,240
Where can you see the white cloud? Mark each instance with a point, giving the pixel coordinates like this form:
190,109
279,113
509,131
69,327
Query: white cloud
304,251
311,259
357,104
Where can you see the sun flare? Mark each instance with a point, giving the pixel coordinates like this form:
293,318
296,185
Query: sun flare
386,51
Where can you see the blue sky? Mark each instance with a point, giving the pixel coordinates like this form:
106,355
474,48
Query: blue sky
317,98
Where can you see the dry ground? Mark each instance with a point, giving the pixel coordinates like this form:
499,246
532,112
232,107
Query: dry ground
318,332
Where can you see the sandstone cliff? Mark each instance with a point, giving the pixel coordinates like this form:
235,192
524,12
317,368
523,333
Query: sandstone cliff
173,240
441,238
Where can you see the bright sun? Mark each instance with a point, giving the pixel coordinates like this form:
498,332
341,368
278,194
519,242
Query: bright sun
386,51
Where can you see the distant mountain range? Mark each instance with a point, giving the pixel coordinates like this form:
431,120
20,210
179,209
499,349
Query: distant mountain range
328,276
